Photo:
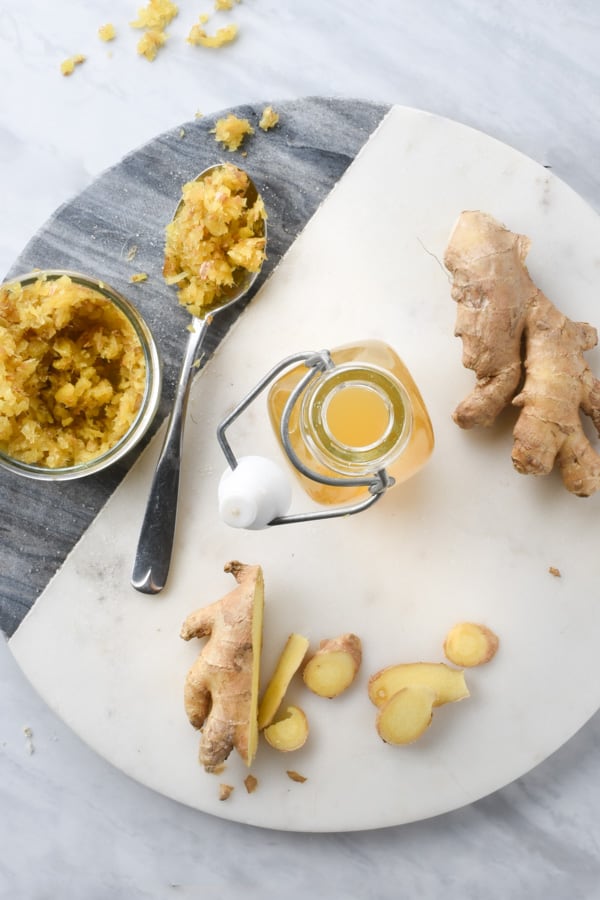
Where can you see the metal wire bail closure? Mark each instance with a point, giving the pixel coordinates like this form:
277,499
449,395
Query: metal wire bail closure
317,362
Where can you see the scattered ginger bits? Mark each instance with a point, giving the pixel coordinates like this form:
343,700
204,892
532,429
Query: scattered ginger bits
515,339
154,17
107,32
217,236
157,14
288,664
469,644
68,66
268,119
448,684
221,689
225,4
289,732
231,131
334,666
406,715
150,43
198,37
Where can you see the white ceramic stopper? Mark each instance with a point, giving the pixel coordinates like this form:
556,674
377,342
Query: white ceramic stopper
253,493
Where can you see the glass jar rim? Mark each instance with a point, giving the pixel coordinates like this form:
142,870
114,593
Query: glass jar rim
341,456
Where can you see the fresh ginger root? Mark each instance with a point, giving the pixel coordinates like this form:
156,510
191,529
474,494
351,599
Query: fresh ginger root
288,664
406,715
334,666
447,684
221,690
470,644
289,732
501,317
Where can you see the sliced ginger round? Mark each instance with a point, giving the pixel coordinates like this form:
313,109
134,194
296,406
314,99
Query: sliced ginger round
470,644
406,715
290,732
334,666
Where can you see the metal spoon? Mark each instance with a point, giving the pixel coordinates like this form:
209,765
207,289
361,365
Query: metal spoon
155,545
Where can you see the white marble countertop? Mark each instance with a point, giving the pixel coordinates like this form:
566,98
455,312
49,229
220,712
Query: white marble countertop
73,826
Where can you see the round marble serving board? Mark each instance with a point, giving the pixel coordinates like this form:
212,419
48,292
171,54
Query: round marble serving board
467,538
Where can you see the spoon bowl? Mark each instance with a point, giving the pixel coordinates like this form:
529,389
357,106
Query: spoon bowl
155,543
243,278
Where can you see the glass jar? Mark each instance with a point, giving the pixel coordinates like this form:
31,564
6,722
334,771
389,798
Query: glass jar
361,416
122,314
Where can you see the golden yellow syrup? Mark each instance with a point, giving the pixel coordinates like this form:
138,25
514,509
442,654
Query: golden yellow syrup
362,416
357,416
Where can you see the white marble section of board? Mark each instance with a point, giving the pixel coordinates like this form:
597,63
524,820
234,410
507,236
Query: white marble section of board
466,539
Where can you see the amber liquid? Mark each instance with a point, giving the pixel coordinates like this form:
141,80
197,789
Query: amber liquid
356,416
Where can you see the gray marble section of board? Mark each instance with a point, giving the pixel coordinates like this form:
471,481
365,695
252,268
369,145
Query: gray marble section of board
126,209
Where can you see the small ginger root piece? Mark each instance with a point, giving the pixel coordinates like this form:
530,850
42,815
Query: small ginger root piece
221,690
296,776
406,715
250,783
334,666
288,664
515,339
449,684
225,791
289,732
469,644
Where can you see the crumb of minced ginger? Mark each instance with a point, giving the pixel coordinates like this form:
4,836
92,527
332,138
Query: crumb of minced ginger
156,15
150,43
139,276
107,32
225,4
231,131
68,66
199,37
269,118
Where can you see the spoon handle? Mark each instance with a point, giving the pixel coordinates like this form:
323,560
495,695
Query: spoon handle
155,544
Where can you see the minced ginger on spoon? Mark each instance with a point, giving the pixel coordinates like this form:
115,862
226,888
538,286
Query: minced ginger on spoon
214,236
